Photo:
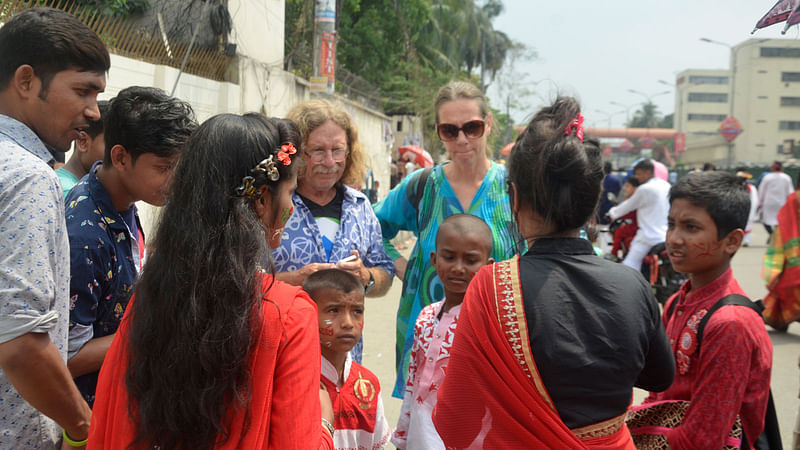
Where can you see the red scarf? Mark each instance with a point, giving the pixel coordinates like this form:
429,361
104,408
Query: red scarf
492,396
782,303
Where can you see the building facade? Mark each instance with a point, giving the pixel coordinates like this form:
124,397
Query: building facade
761,91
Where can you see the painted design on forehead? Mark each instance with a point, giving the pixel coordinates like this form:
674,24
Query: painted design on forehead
287,213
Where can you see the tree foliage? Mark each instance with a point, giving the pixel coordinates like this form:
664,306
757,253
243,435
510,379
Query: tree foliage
399,52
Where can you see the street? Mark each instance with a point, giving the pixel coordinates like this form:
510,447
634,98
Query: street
379,337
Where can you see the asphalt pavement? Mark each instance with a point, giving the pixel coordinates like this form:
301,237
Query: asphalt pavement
379,339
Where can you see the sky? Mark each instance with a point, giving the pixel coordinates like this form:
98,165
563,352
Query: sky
597,51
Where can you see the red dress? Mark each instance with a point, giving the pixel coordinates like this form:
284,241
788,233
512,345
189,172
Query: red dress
284,410
731,374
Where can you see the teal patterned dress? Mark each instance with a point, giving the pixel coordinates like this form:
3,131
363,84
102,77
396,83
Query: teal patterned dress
422,286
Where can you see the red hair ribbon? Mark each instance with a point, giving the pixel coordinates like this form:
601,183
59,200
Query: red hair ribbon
286,150
577,123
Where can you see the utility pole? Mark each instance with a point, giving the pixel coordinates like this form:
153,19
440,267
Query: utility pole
325,42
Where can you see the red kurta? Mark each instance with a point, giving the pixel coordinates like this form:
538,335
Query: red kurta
492,396
731,374
284,410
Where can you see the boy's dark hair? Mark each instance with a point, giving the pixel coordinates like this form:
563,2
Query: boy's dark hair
467,224
96,126
607,167
147,120
336,279
557,175
723,195
709,166
646,165
49,40
633,181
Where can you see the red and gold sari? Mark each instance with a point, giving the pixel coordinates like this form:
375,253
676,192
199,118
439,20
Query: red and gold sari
781,270
493,396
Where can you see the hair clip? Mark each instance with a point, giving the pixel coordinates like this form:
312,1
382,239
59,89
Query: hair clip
267,167
286,150
576,123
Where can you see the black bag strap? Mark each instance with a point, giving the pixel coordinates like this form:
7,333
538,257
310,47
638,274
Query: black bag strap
416,189
732,299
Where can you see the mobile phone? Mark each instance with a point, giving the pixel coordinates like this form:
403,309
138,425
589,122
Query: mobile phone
346,260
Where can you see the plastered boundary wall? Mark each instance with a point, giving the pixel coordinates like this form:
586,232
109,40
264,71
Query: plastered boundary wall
263,89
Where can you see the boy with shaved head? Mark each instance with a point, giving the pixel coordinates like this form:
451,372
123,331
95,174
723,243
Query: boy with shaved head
463,246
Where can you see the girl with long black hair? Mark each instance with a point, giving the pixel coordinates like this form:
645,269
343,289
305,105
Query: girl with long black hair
214,352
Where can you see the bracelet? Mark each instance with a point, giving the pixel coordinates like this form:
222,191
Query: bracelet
73,443
327,425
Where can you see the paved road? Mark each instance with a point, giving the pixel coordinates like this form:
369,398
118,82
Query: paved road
379,340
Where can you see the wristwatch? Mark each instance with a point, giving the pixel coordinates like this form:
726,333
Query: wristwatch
328,426
370,283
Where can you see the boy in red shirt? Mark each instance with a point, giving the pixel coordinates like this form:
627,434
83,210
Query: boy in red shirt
355,392
730,374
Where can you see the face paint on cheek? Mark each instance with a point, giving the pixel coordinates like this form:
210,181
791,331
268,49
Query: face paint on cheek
287,212
360,324
326,330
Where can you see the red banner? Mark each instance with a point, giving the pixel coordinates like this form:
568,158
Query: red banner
327,55
680,142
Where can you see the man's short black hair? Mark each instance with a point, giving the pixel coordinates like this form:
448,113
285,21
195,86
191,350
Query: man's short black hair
147,120
723,195
335,279
96,126
646,165
50,41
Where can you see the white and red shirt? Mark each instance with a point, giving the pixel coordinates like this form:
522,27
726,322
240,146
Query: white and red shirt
433,338
359,422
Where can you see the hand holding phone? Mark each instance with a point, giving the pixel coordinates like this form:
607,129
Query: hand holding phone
350,258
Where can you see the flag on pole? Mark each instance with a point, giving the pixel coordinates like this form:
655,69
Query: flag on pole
777,14
793,19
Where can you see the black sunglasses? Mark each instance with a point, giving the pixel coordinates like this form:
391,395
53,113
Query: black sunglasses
472,129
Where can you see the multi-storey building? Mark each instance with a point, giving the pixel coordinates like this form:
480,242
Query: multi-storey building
761,90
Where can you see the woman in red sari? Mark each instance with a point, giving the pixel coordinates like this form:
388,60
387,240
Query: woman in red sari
213,351
561,336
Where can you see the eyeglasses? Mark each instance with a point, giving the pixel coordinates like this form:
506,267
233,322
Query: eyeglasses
338,155
472,130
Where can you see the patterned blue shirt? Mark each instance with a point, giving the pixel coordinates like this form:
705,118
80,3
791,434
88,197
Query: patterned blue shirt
34,270
104,257
301,243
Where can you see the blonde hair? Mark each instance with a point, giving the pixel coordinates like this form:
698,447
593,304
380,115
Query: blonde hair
456,90
312,114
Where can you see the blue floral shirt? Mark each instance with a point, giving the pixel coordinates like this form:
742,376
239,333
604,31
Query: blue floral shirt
301,243
34,270
104,257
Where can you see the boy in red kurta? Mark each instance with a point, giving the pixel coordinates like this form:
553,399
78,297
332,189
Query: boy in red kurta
730,374
359,423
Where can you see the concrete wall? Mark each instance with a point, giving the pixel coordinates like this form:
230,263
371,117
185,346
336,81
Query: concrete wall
264,87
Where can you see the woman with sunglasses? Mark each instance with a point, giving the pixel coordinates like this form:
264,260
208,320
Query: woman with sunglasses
469,183
333,225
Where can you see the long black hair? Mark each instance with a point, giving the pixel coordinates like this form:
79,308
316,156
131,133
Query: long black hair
556,174
197,303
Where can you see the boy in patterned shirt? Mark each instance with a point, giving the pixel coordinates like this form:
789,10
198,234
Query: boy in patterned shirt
354,390
463,246
145,132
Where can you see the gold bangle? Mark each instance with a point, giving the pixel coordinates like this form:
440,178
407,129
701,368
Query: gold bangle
327,425
71,442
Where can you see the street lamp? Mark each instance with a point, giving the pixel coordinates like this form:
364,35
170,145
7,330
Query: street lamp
649,97
608,115
627,110
733,88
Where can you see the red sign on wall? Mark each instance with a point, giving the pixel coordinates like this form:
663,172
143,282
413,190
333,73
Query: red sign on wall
730,129
680,142
327,55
